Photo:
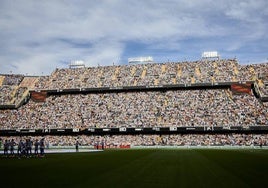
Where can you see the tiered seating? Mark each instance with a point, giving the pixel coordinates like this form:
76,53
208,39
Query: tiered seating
258,73
19,94
43,81
262,73
140,109
12,79
9,90
6,94
144,75
119,141
245,73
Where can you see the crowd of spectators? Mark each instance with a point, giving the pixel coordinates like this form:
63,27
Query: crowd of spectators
173,108
256,72
181,108
202,107
19,94
153,74
153,140
12,79
42,82
203,71
10,92
8,86
5,94
252,71
264,89
264,83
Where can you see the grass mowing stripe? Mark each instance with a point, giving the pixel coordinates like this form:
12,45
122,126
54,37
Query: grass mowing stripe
248,167
217,173
140,168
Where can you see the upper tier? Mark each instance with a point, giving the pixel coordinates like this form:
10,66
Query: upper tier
153,74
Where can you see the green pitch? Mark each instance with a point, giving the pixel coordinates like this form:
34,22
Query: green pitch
140,168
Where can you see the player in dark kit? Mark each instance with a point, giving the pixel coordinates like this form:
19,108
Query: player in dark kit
42,147
260,142
102,145
29,146
36,145
24,149
77,146
20,146
6,146
11,146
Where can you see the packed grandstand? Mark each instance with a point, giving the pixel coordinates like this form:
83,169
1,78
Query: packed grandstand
141,104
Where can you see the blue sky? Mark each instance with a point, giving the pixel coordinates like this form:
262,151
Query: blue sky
38,36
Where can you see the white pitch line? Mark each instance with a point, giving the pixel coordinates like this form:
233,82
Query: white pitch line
63,151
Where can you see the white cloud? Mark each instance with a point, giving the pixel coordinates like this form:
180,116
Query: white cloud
38,36
248,11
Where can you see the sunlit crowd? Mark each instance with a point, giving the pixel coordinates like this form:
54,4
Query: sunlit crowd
202,71
181,108
111,141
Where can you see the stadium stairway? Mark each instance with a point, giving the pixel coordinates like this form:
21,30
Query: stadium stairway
133,71
23,99
236,72
174,81
229,95
253,73
192,80
156,82
163,69
15,89
179,72
213,80
135,82
1,80
143,74
29,82
197,71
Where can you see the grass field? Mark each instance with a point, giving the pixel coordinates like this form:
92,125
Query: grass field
139,168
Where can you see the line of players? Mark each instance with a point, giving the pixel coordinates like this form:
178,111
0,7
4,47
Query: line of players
24,148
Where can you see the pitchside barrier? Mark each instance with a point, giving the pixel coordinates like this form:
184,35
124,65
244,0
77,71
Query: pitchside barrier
83,148
259,129
113,146
200,147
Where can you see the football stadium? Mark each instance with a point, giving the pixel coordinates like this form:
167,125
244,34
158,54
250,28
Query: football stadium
200,123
